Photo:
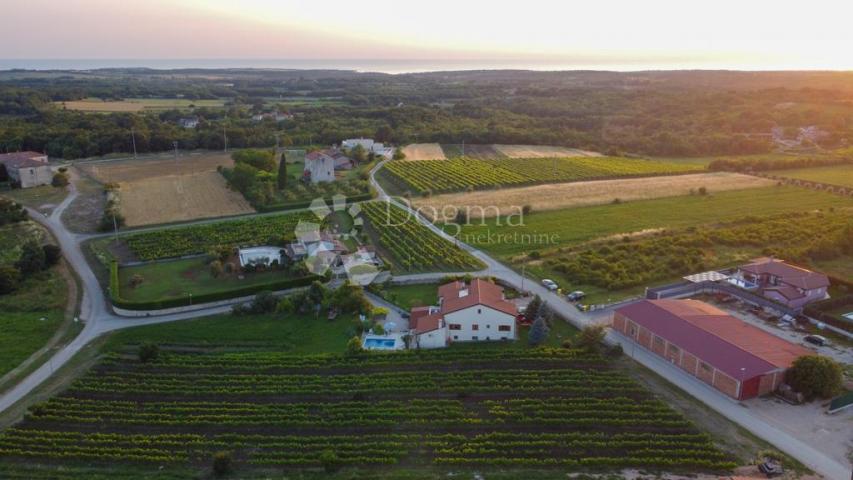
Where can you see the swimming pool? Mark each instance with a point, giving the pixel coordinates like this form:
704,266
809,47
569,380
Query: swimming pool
383,342
379,343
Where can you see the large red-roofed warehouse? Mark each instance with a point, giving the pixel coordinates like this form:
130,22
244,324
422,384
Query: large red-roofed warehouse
734,357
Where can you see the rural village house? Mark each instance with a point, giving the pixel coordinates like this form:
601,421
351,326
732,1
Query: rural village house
465,313
320,166
789,285
27,169
736,358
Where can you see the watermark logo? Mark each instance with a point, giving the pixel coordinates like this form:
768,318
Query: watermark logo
323,244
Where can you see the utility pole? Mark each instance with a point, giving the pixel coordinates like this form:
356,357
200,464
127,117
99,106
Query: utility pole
463,147
175,144
133,139
115,226
224,139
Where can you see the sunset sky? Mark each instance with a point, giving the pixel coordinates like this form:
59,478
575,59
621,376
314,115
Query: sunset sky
751,34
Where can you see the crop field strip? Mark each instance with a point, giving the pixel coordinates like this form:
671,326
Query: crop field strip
512,408
414,246
198,239
467,173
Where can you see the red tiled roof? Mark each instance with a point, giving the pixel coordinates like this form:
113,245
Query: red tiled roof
732,346
480,292
421,321
796,276
21,159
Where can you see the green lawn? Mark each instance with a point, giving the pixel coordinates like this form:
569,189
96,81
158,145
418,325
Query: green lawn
408,296
30,316
179,278
291,333
36,197
836,175
549,230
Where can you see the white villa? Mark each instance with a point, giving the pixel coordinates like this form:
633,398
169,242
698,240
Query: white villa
465,313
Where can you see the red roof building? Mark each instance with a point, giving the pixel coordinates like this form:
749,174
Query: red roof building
784,283
473,311
734,357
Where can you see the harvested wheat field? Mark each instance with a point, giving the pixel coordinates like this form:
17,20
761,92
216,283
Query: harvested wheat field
131,170
542,151
176,198
163,190
424,151
566,195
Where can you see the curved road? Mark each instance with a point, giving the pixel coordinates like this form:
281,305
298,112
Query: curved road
100,319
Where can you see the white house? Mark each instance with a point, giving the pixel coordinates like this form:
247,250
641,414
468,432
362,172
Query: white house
27,169
375,147
466,313
319,167
259,256
188,122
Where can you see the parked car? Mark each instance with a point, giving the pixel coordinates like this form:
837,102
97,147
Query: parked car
550,284
817,340
575,296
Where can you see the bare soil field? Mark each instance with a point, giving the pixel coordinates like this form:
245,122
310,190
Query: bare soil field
164,190
424,151
566,195
176,198
542,151
131,170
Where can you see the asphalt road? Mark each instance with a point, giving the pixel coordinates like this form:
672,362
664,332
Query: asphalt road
99,319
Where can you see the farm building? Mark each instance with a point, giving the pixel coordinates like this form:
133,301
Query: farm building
465,313
736,358
369,145
27,169
320,166
791,286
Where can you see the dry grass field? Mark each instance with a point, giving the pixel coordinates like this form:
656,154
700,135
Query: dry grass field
424,151
158,190
175,198
566,195
542,151
130,170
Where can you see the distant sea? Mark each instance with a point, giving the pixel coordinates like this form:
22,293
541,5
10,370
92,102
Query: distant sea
383,66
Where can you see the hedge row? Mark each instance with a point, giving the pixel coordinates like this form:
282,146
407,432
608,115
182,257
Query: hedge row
274,207
283,284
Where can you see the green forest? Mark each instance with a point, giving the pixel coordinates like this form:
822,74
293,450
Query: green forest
647,113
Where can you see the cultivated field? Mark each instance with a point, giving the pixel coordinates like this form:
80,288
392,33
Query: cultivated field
459,408
488,203
542,151
574,225
154,191
97,105
480,152
837,175
424,151
411,246
177,198
432,176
